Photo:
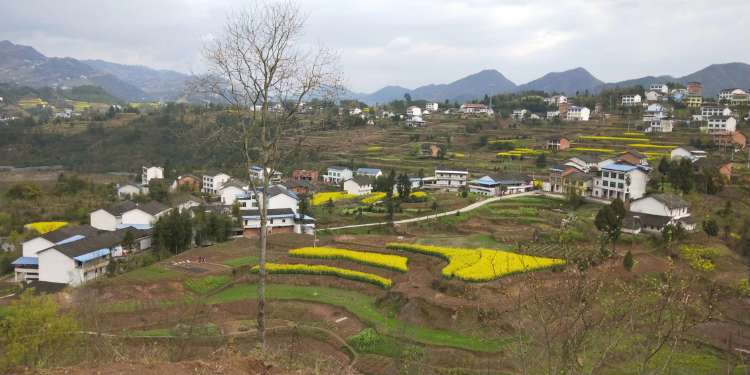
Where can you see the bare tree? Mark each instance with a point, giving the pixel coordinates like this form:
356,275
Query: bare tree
261,68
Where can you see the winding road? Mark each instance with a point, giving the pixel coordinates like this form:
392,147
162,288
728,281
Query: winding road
468,208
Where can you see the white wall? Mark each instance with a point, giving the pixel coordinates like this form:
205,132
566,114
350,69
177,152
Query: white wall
136,216
283,201
35,245
229,195
56,267
352,187
103,220
128,191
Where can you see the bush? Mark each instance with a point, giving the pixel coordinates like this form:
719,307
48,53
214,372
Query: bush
628,261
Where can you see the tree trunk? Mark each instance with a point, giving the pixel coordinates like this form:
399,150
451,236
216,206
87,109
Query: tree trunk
263,210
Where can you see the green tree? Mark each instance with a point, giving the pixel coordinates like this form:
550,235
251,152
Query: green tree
663,168
404,187
541,161
628,261
304,205
24,191
34,332
609,221
158,190
711,227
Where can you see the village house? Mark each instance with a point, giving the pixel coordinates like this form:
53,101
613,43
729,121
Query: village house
736,139
27,266
496,185
231,190
127,214
695,88
358,185
450,179
337,175
257,173
186,202
693,101
661,88
633,157
652,213
429,150
186,182
305,175
369,172
280,220
659,125
432,107
708,111
552,114
564,179
278,197
630,100
576,113
720,124
687,152
213,181
555,100
130,190
557,144
475,109
519,114
149,173
413,111
300,187
583,163
620,180
653,96
415,122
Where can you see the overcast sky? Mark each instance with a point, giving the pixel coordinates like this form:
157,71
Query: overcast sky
410,42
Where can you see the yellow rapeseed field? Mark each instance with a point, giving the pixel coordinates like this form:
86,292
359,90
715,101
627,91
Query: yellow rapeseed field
480,264
374,197
322,198
46,226
307,269
394,262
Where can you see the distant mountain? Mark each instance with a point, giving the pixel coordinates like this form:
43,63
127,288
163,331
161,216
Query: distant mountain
714,78
25,66
165,84
567,82
386,94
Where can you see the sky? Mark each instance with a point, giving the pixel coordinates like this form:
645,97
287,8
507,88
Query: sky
409,42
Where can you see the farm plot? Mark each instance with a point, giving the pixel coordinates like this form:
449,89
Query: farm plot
394,262
480,264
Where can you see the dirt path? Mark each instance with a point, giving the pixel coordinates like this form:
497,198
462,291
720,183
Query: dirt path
468,208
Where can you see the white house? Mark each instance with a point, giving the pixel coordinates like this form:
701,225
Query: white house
432,107
369,172
659,125
450,179
687,152
475,109
519,114
620,180
337,175
149,173
661,88
413,111
576,113
652,213
127,213
355,111
231,190
257,173
212,182
27,266
582,163
720,124
653,96
280,220
631,100
415,122
713,111
500,185
358,185
279,197
555,100
130,190
186,202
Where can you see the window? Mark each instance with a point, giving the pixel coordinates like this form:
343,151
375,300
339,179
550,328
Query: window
271,221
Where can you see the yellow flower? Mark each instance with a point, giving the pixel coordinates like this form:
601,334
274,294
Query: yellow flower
322,198
394,262
307,269
46,226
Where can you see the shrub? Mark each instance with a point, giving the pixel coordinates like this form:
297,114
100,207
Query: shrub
207,284
394,262
306,269
628,261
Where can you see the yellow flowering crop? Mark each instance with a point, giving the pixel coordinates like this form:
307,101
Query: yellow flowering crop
608,138
418,194
307,269
480,264
394,262
603,150
648,145
374,197
322,198
46,226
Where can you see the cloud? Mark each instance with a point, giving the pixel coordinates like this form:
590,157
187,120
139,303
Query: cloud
409,43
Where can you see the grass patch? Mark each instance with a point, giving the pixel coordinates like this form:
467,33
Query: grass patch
242,261
369,341
206,330
150,273
364,308
207,284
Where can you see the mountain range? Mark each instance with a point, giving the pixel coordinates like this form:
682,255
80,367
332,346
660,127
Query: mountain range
23,65
714,78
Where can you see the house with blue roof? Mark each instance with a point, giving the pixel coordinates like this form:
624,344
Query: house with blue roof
493,186
620,180
369,172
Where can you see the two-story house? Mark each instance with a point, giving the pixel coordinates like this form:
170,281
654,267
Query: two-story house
337,175
620,180
450,179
